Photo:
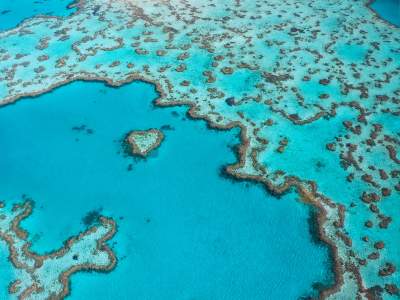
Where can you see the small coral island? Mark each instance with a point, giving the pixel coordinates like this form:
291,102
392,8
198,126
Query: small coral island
47,276
142,142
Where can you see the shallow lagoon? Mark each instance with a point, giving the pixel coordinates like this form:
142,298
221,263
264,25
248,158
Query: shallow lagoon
185,232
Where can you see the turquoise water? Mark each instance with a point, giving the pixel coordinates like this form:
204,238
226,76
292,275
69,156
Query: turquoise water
12,12
6,272
388,10
184,231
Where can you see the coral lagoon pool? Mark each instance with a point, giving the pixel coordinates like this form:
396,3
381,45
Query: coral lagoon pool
183,230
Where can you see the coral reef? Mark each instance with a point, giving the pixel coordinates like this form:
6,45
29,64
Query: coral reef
47,276
314,87
142,142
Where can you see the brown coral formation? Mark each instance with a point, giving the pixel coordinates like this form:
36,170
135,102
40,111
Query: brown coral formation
29,265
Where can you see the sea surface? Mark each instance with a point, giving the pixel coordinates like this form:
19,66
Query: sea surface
184,231
12,12
389,10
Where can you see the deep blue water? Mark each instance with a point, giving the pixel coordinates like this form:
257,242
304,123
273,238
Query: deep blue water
388,10
12,12
184,231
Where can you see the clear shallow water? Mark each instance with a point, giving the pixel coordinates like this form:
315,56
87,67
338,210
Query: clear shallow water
12,12
388,10
184,231
6,272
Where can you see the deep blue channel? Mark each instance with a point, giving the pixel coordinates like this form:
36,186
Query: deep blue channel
13,12
388,10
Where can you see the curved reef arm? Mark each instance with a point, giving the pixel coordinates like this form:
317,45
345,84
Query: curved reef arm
48,276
